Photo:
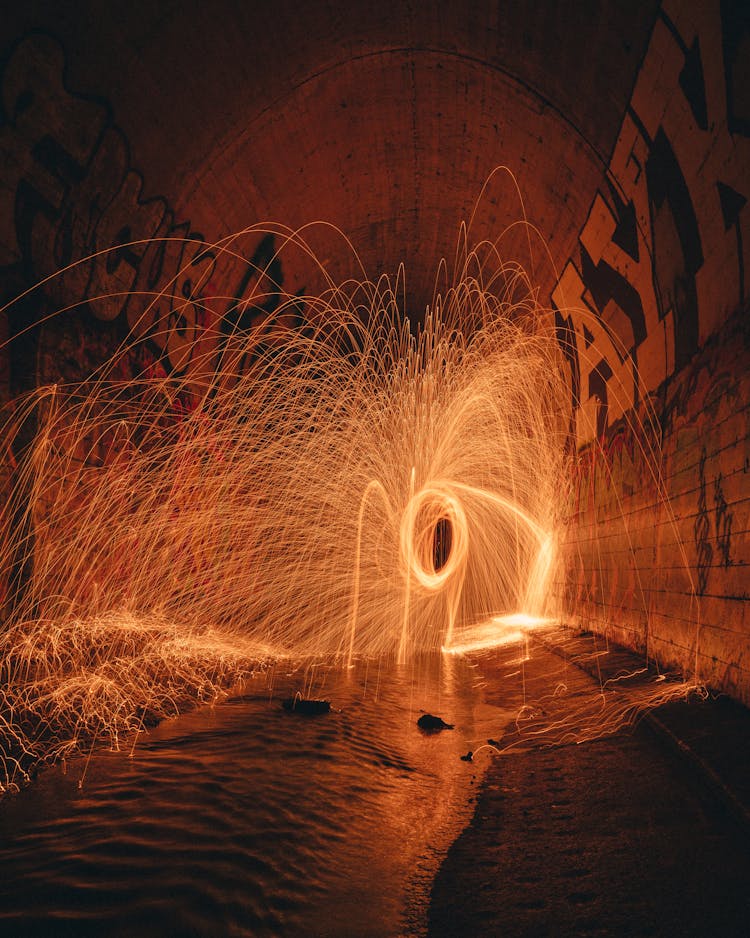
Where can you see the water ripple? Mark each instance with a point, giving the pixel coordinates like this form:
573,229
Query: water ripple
243,819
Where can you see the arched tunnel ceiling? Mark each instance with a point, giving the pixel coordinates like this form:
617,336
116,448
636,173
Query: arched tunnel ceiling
383,119
127,129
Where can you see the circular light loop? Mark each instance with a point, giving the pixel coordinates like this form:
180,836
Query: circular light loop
424,511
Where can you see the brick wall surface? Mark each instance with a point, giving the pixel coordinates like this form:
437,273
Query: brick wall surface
656,546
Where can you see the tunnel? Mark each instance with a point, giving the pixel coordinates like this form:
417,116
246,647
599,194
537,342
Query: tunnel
178,175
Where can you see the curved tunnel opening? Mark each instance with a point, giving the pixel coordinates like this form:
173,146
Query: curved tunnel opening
215,222
442,540
384,133
615,198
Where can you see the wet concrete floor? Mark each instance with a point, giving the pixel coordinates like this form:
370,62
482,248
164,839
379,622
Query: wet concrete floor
616,836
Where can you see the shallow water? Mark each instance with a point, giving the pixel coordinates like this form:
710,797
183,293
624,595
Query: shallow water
243,819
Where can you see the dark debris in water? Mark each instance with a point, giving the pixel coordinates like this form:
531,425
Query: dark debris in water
433,724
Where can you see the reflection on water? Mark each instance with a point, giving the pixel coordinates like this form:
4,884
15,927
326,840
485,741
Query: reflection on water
248,820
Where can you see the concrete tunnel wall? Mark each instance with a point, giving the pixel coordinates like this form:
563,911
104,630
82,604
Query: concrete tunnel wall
626,131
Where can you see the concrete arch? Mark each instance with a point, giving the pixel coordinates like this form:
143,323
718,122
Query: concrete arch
627,134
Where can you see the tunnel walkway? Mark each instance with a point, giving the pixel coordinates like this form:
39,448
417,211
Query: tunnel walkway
617,836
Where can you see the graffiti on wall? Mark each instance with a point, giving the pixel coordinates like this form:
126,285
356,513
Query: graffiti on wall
712,526
705,414
73,220
664,253
658,511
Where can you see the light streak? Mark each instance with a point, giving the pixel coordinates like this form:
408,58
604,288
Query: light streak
498,631
293,509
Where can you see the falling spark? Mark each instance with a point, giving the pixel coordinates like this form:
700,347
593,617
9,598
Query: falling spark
362,488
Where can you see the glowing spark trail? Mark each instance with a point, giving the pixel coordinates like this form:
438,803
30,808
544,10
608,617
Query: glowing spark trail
357,489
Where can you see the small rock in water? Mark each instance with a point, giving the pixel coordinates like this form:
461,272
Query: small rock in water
306,707
469,757
429,722
494,742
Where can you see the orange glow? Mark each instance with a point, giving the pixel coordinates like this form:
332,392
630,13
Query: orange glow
500,630
174,540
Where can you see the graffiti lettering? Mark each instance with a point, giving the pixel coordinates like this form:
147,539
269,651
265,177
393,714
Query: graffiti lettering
46,142
701,529
723,522
662,257
254,319
72,211
596,355
120,239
